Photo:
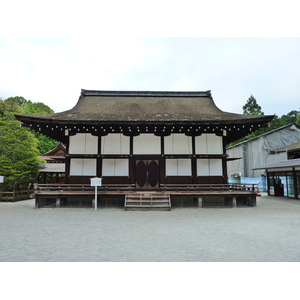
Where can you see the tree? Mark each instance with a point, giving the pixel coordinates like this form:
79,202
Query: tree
45,143
19,162
9,109
37,108
252,107
289,118
20,105
21,101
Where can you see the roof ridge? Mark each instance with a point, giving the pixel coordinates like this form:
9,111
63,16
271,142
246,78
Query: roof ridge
147,93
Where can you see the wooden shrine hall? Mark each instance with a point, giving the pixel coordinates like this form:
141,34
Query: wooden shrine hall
151,149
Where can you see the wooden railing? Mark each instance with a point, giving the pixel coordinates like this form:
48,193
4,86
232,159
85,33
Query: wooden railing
39,188
209,187
12,196
81,187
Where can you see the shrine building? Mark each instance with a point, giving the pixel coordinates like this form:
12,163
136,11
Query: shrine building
145,141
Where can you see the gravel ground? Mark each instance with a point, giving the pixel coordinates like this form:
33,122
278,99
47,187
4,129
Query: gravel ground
269,232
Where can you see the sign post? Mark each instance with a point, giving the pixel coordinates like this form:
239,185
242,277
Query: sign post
96,182
1,179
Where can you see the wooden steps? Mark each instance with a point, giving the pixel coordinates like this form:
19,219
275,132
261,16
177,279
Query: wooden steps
147,201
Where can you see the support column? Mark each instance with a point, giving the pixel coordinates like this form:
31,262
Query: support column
58,202
199,201
234,201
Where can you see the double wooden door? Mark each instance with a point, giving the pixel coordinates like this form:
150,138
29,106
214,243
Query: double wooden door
147,173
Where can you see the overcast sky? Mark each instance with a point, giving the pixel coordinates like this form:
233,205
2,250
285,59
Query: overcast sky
54,70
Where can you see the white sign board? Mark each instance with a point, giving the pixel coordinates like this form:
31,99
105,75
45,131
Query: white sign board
1,179
96,181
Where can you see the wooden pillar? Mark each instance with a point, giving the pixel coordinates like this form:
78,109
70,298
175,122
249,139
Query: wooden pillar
36,202
199,201
67,163
162,162
99,159
224,162
234,201
194,170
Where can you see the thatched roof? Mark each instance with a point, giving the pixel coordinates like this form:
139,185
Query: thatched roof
140,108
95,106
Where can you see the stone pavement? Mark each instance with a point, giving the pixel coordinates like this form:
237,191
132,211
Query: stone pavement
269,232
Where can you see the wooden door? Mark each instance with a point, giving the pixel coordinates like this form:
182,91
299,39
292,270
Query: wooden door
147,174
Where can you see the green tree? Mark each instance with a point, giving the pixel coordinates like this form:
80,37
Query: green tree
20,105
251,107
19,162
21,101
37,108
45,143
9,109
289,118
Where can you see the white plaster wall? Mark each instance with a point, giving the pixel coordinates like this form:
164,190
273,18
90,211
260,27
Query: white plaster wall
215,167
115,144
146,144
83,167
203,167
209,167
178,167
115,167
83,143
178,144
208,144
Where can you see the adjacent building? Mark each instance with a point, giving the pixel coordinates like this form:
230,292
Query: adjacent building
273,157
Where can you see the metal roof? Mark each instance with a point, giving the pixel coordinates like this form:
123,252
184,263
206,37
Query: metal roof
285,164
53,168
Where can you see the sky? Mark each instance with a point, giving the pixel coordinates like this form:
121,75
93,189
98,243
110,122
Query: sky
54,70
48,54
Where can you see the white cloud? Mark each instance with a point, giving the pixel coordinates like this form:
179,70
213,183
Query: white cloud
54,70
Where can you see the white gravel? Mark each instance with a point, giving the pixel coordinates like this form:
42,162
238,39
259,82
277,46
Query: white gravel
269,232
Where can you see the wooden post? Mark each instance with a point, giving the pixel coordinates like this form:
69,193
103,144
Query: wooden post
199,201
58,202
234,201
14,194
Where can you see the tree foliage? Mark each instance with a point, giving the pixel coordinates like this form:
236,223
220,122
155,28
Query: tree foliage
19,105
8,109
19,162
18,100
37,108
251,107
20,147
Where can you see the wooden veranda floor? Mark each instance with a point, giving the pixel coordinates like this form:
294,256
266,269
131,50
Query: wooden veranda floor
197,195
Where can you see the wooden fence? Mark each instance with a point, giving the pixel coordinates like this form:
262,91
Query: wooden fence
12,196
